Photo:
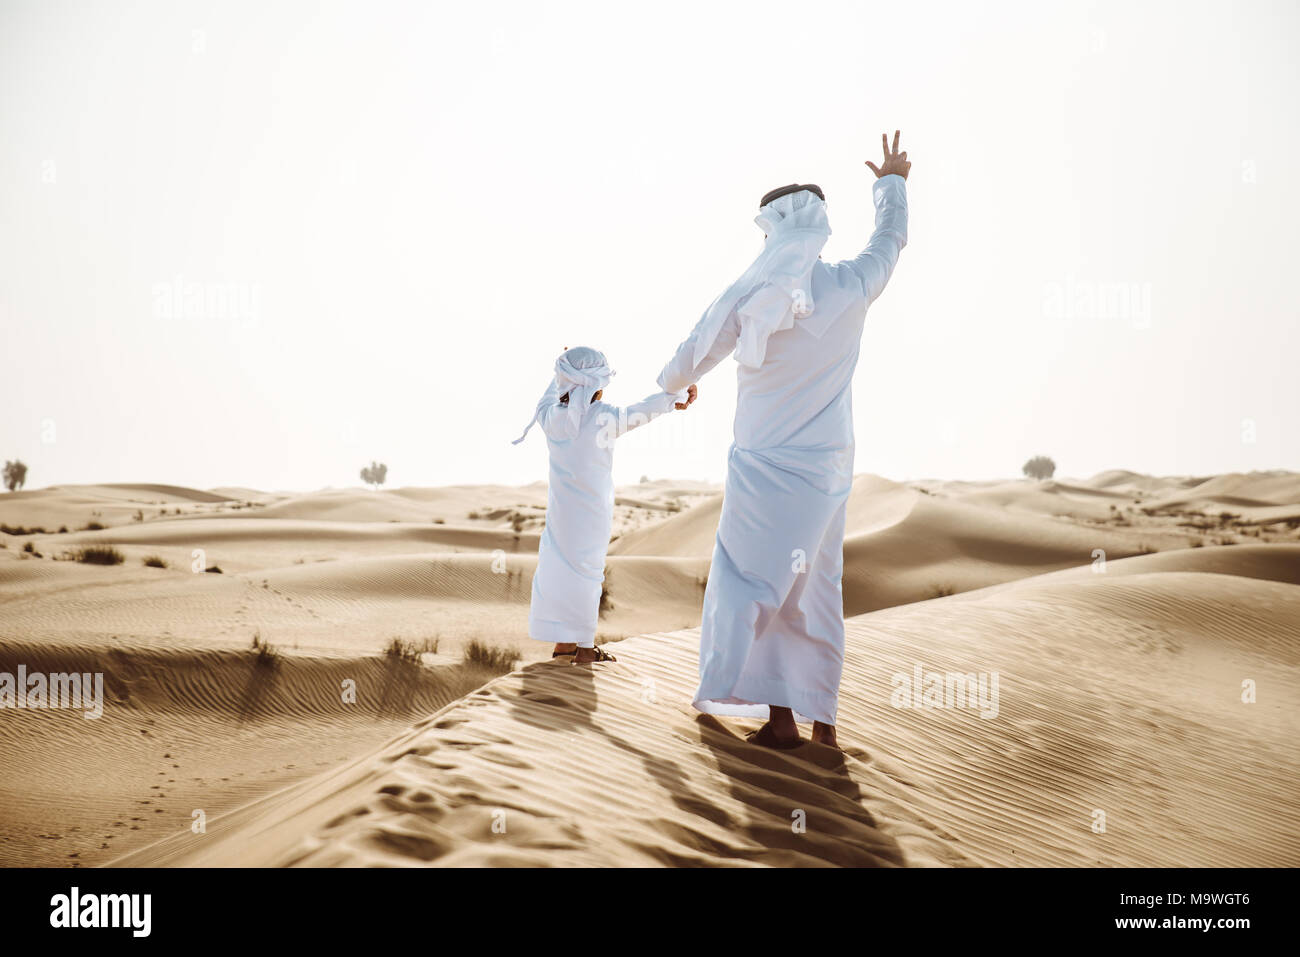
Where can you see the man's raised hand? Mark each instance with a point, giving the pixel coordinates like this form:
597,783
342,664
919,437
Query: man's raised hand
691,393
895,162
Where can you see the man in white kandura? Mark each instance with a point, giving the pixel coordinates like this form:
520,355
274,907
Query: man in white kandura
772,633
580,434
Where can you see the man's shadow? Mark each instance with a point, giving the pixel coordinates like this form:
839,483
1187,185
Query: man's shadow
806,809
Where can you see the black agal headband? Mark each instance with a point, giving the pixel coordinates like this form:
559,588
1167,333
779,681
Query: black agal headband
792,188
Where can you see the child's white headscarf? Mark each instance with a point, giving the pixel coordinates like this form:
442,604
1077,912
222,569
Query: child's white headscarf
778,283
581,372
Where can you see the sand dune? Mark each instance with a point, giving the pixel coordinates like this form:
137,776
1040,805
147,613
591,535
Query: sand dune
904,545
184,731
335,607
76,506
1142,720
1121,650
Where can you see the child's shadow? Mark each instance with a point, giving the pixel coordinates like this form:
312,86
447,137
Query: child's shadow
561,699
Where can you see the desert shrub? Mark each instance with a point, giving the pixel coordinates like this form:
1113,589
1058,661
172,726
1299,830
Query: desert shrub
266,655
374,474
606,604
214,570
22,530
99,555
154,561
15,473
403,650
92,527
491,657
1039,467
941,591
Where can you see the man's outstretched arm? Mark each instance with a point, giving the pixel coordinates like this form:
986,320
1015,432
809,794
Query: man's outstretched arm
682,370
876,263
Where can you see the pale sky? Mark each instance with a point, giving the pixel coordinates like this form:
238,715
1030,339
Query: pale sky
262,243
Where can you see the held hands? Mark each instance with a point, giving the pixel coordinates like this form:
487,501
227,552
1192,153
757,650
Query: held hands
895,162
691,393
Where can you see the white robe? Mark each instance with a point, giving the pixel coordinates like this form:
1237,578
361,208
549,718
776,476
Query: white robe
579,513
772,631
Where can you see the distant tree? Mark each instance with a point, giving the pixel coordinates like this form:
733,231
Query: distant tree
1039,467
374,474
15,475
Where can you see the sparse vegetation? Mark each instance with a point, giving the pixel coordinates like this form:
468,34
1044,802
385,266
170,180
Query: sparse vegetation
266,655
606,604
154,561
941,591
491,657
99,555
410,651
15,475
374,474
92,527
22,530
30,549
1039,467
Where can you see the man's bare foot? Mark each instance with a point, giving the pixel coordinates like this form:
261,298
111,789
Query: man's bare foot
824,734
562,649
780,731
586,656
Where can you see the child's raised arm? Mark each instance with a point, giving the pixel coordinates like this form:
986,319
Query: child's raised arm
617,421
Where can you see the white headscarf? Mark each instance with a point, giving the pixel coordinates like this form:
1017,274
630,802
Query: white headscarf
581,372
778,283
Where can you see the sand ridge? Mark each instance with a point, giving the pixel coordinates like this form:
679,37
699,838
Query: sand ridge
1121,612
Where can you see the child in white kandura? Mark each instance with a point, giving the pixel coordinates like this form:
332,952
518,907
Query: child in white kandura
580,433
